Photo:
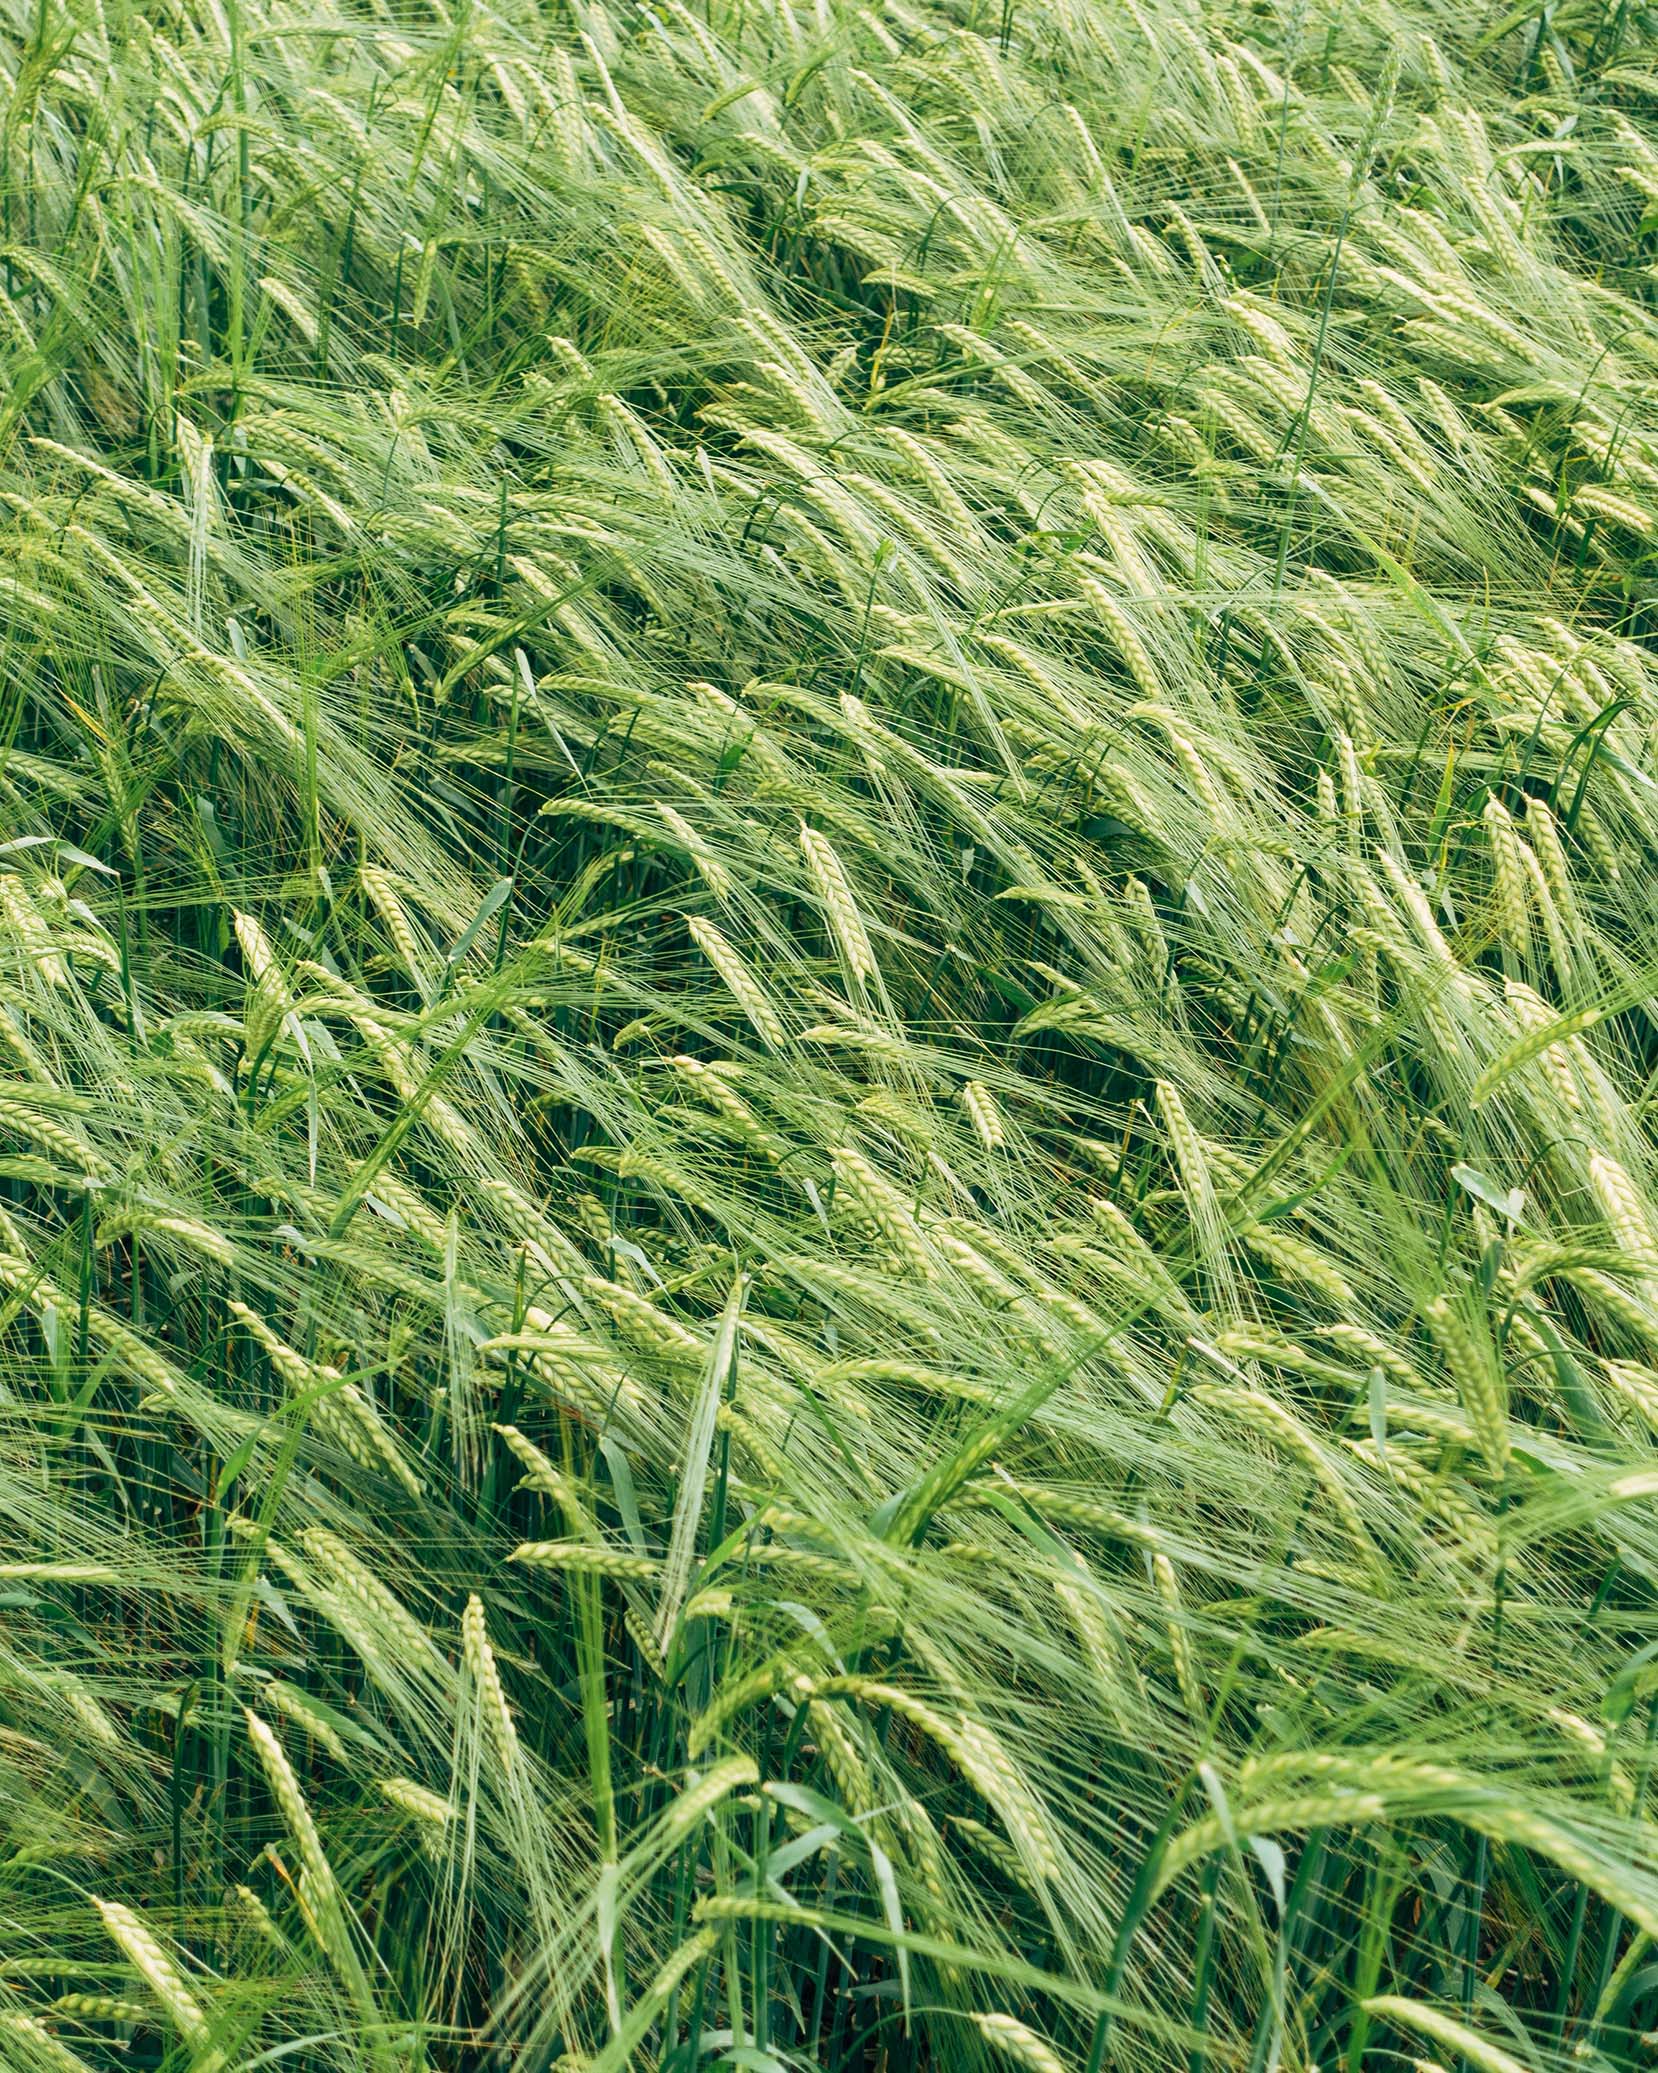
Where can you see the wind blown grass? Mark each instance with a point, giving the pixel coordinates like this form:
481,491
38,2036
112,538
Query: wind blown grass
827,1215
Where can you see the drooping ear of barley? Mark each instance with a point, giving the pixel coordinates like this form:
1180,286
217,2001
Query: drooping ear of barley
37,2045
296,1816
840,908
479,1659
159,1974
881,1205
1477,1374
745,989
1625,1211
1017,2041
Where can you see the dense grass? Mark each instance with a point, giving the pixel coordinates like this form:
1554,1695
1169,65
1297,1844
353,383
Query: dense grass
828,895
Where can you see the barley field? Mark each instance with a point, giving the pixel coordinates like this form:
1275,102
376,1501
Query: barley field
828,923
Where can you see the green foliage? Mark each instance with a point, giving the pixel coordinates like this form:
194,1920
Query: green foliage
827,1214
